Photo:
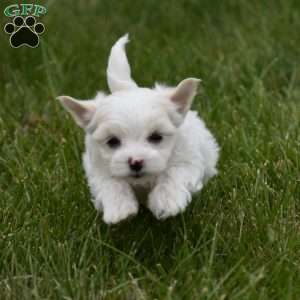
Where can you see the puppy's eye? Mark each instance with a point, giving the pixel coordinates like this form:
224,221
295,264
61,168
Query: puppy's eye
114,142
155,138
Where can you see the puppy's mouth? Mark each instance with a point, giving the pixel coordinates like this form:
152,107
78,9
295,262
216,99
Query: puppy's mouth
137,175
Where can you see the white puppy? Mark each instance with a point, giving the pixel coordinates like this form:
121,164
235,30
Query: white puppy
142,138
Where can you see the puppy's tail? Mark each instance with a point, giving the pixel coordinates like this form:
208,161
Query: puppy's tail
118,69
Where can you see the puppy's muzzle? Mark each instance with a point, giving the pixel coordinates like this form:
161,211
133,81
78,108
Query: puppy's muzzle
136,165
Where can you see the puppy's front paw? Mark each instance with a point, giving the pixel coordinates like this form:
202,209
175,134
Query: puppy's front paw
168,200
114,214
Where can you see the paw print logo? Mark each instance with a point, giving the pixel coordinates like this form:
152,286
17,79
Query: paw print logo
24,32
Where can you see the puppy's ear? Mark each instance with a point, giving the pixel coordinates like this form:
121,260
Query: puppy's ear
184,94
118,69
81,111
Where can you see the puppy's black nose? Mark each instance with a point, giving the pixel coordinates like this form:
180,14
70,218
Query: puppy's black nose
135,165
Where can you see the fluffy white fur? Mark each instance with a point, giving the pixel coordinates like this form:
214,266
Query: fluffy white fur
142,138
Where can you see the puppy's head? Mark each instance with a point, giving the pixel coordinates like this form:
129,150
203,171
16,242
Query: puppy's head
133,130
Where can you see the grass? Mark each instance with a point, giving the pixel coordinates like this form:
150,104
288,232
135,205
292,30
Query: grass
239,239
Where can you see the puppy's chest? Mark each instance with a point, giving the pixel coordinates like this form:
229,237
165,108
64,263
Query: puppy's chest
141,193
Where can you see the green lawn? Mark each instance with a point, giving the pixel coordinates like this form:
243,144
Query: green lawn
239,239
